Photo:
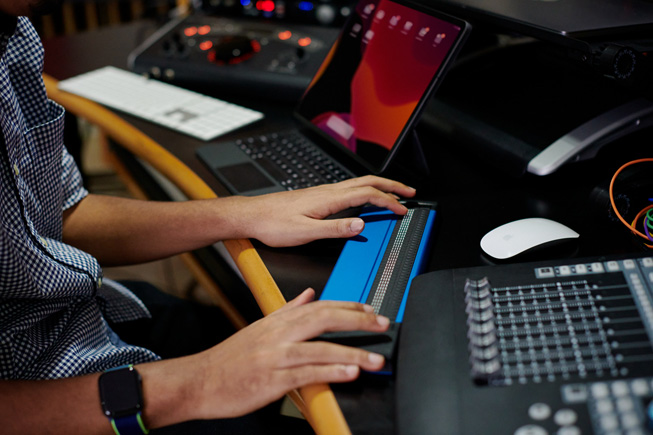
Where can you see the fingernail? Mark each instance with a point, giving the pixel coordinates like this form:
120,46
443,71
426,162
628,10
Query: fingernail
351,370
356,225
382,320
375,358
368,308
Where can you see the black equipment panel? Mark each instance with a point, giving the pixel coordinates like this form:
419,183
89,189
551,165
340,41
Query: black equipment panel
531,348
256,58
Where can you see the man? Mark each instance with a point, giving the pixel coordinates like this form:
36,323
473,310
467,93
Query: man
57,317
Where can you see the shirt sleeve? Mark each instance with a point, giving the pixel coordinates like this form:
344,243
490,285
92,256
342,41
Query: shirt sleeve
71,180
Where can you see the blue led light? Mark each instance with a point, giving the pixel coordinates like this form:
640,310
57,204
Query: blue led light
245,2
305,6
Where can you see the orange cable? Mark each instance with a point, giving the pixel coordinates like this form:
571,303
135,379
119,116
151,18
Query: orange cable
614,206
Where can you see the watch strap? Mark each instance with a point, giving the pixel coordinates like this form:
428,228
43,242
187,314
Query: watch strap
129,425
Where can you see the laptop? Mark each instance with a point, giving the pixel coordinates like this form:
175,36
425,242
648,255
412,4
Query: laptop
362,104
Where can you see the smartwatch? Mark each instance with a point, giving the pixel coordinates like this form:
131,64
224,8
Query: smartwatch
122,400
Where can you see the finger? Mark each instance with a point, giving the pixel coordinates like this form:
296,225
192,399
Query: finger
319,352
389,201
317,374
326,319
336,228
303,298
383,184
334,304
361,195
299,313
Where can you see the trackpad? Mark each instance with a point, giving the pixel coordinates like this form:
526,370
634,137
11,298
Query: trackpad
244,177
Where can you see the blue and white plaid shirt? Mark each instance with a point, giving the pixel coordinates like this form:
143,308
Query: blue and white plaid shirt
53,304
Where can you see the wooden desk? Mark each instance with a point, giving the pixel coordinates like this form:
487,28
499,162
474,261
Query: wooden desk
473,198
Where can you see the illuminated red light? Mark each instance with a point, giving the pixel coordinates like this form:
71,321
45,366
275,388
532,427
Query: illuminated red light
285,35
265,5
304,42
204,30
206,45
190,31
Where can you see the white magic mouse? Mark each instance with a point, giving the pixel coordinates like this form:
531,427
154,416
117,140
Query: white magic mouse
523,235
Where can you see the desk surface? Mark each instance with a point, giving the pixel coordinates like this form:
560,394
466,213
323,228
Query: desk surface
472,197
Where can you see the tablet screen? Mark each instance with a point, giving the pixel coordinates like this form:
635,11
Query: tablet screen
371,87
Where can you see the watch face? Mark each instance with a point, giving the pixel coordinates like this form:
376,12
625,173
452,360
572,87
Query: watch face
120,392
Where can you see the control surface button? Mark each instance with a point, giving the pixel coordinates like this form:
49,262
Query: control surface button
639,387
625,404
604,406
574,393
569,430
565,270
597,267
531,429
600,390
539,411
609,422
565,417
545,272
619,388
630,420
581,269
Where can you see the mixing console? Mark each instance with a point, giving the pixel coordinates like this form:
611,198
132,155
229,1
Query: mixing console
558,347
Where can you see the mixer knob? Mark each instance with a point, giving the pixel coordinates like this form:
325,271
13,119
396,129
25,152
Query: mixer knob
325,14
233,49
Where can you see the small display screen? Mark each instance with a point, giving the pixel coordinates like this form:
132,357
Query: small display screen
370,86
120,391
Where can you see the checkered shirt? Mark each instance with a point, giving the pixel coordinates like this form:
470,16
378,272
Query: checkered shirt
53,303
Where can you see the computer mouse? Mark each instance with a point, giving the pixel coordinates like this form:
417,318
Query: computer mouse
524,235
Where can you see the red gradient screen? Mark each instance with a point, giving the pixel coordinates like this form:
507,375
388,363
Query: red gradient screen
369,87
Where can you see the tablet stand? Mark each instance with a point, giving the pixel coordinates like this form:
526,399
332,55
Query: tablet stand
411,159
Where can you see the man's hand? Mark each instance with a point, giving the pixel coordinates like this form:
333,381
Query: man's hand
294,218
120,231
249,370
265,360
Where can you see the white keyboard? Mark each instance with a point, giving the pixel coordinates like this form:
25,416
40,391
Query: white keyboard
182,110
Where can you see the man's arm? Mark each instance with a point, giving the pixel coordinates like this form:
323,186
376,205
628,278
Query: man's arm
126,231
247,371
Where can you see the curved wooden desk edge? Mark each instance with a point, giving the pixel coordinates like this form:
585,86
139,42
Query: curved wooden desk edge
318,402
